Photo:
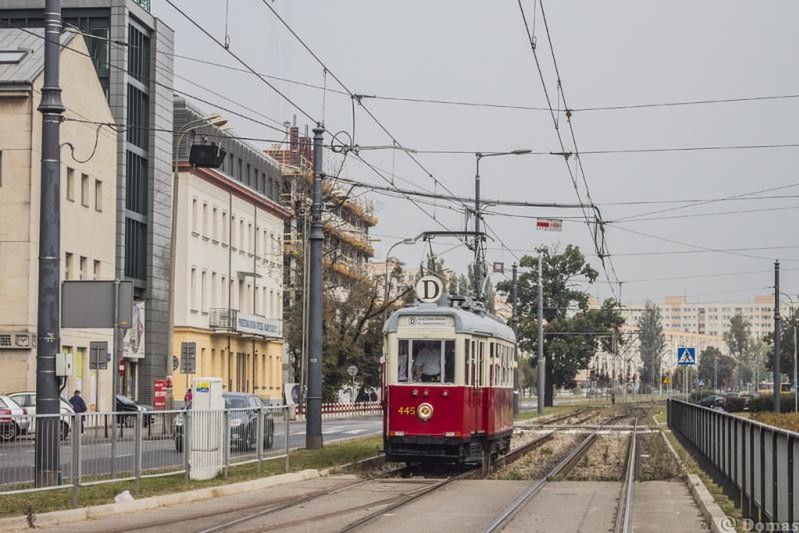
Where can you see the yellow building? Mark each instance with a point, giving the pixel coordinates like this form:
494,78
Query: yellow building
88,204
228,279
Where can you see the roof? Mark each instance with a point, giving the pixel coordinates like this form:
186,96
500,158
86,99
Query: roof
28,68
466,321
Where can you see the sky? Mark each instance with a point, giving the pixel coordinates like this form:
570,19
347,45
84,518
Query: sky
613,53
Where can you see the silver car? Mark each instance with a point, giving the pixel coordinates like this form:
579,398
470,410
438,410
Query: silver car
27,400
13,419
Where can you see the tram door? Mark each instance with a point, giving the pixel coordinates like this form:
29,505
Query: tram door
480,395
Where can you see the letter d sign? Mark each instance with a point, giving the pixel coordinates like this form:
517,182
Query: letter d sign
429,289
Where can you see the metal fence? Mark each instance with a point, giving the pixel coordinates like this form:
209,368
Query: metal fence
757,459
345,410
96,448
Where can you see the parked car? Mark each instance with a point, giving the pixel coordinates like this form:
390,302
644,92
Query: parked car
13,421
126,405
713,401
27,400
243,422
734,402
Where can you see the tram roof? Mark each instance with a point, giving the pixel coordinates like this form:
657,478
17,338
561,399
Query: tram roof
466,320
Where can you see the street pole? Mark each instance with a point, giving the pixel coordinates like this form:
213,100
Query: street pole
613,350
313,417
478,266
716,372
795,386
777,337
47,463
540,363
514,323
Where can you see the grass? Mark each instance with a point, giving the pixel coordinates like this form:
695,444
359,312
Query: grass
660,417
727,504
781,420
335,454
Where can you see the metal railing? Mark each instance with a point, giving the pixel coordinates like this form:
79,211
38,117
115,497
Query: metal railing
97,448
344,410
760,461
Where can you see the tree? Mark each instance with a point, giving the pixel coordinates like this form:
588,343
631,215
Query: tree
651,342
713,364
786,346
572,331
739,342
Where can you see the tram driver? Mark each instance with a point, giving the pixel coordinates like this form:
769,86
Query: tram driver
427,363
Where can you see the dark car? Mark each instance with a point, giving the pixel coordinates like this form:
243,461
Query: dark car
243,411
714,401
126,405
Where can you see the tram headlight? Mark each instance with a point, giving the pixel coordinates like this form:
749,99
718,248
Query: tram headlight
424,411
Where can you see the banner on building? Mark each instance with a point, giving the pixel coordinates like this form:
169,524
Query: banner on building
133,341
258,325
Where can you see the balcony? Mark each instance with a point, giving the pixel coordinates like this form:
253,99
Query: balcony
144,3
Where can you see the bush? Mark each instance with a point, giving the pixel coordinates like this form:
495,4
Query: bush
734,405
765,402
698,395
788,421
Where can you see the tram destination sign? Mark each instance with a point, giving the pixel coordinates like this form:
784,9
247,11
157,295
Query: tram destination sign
429,321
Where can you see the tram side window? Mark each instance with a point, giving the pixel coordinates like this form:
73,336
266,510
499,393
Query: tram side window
480,381
466,376
402,375
449,362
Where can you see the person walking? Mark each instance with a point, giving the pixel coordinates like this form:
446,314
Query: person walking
78,405
187,396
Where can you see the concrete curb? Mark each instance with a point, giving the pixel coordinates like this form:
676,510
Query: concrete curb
56,518
719,522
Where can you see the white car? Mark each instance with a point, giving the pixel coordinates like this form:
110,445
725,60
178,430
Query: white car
27,400
13,421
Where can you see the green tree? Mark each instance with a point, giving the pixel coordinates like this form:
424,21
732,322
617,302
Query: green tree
713,364
740,343
651,342
572,331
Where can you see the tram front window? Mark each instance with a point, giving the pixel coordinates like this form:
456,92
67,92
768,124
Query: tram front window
430,361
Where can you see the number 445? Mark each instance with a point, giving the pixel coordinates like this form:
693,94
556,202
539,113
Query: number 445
407,410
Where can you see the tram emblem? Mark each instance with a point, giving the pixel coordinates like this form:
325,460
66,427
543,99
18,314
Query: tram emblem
429,289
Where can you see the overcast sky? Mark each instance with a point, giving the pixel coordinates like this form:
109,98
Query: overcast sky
608,53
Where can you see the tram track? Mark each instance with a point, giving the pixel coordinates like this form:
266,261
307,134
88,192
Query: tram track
562,468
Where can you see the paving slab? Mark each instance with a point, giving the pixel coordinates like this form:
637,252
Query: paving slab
665,506
579,506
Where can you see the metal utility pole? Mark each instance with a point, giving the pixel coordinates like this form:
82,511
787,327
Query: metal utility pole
715,372
777,337
514,323
795,386
540,364
614,354
47,463
313,416
478,262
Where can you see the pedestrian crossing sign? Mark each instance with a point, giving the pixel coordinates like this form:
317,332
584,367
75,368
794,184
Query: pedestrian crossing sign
667,379
686,356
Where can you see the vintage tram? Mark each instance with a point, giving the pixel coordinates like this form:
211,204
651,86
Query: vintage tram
447,380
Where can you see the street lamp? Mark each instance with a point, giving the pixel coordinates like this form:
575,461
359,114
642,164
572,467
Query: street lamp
478,259
388,256
217,121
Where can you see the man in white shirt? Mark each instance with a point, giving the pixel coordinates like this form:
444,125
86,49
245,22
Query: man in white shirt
427,364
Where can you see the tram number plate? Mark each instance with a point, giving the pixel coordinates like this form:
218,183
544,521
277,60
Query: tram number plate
407,411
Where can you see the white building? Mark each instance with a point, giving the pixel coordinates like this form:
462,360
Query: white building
88,207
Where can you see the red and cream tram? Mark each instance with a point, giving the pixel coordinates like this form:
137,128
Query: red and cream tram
448,380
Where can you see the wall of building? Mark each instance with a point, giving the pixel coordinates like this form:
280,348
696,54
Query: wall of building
87,216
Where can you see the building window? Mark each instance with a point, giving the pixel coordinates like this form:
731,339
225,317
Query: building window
241,234
194,289
232,231
223,292
71,184
84,190
135,249
96,270
136,186
249,236
249,184
203,292
67,266
84,265
98,195
205,220
213,289
138,55
194,215
138,117
241,170
224,228
214,226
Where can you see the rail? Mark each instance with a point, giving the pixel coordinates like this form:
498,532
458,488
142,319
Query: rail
758,460
109,447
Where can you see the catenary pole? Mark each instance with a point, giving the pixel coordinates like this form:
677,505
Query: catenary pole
540,363
514,323
777,337
47,464
478,263
313,421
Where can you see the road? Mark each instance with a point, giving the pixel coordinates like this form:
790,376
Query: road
159,452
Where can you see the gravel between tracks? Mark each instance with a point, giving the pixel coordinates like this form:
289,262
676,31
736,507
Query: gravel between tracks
536,464
604,461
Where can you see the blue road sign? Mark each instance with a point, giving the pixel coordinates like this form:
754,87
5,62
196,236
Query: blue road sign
701,382
686,356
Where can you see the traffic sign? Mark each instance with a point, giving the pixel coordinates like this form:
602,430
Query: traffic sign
686,356
188,357
98,351
498,267
549,224
701,383
667,379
